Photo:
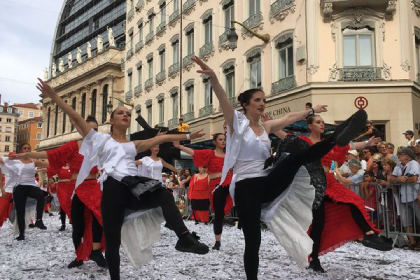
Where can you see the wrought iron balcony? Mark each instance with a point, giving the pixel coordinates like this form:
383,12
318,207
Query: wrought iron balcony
188,116
137,91
130,53
149,83
223,38
161,27
283,84
128,95
140,4
280,5
139,45
187,60
360,74
206,49
173,122
253,21
174,16
149,37
161,76
130,13
205,111
174,68
233,101
188,5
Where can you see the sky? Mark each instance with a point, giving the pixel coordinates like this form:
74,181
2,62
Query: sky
27,29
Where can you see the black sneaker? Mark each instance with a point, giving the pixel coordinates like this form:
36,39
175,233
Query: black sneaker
63,228
98,258
349,130
315,265
39,224
216,245
20,237
375,242
75,263
31,226
187,243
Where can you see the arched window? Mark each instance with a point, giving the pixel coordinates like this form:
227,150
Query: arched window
56,120
104,102
64,121
48,121
93,104
83,108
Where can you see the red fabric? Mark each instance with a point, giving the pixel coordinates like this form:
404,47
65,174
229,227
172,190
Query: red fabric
200,216
52,187
199,188
64,193
68,153
337,153
5,207
213,184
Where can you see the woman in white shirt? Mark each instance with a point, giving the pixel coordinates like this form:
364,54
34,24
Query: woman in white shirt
122,188
152,166
282,197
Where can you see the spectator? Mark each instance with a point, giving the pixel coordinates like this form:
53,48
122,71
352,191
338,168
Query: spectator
183,127
369,132
308,105
409,135
417,150
174,186
368,192
376,165
368,156
390,152
344,168
356,176
165,179
388,166
407,173
186,177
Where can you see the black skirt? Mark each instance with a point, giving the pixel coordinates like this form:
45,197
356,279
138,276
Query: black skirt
200,204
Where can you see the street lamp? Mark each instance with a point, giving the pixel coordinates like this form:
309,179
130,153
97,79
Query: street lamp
233,37
109,107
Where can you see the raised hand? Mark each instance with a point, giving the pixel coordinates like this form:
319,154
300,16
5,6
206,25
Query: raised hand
197,134
373,141
46,90
320,108
176,144
205,69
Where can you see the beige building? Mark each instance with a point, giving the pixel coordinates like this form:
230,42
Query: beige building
8,127
346,54
28,110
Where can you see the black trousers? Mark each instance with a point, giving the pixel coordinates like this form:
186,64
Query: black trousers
318,222
78,218
219,201
62,216
116,198
251,193
20,195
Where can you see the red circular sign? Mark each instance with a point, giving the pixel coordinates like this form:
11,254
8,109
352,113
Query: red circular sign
361,102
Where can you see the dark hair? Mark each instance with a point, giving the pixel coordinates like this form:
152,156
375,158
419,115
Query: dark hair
369,122
217,135
21,146
181,119
310,119
246,96
370,173
370,149
309,104
91,119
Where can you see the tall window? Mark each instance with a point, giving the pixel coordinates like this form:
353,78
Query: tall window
131,40
162,60
73,105
162,12
229,13
149,115
48,121
6,148
31,114
141,31
151,23
93,104
254,62
285,50
230,80
83,107
64,122
190,41
358,47
190,98
208,29
7,139
150,67
175,51
130,80
139,67
104,102
175,5
175,105
254,7
208,96
161,110
56,120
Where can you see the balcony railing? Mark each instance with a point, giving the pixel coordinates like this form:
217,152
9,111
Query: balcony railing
130,14
253,21
233,101
161,27
149,37
188,5
206,111
128,95
188,116
129,53
174,16
161,76
149,83
223,38
140,4
187,60
283,84
279,6
173,122
137,91
139,45
206,49
360,74
174,68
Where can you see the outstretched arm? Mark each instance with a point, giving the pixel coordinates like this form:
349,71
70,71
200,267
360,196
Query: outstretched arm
373,141
169,166
272,126
220,93
183,148
47,91
30,155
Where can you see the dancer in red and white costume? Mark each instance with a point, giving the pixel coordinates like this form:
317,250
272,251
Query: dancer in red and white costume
199,193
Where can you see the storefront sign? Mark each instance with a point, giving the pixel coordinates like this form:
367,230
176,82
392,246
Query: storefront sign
361,102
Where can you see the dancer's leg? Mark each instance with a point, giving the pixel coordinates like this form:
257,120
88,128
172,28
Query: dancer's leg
219,201
78,218
97,231
62,217
318,223
19,198
248,197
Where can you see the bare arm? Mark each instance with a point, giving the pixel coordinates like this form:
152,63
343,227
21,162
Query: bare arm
30,155
279,133
373,141
47,91
183,148
220,93
169,166
40,163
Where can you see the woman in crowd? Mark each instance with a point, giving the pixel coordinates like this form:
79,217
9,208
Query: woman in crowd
6,198
198,193
87,232
282,196
220,199
122,188
22,175
152,166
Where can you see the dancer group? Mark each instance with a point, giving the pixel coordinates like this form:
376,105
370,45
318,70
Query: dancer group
109,195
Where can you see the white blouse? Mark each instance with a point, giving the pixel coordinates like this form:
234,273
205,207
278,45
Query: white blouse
18,173
151,169
112,158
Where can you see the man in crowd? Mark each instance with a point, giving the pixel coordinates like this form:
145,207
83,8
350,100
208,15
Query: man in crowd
370,131
183,127
308,105
344,168
409,135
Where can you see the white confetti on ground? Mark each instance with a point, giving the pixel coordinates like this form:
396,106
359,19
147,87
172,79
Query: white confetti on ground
46,254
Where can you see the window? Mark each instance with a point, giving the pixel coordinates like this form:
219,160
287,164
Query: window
83,108
39,125
93,104
151,23
73,105
104,102
190,41
254,61
208,30
63,129
149,115
285,51
48,121
7,139
175,105
254,7
358,47
130,80
139,78
150,67
38,136
9,120
229,13
6,148
141,31
162,12
176,5
31,114
131,40
56,119
162,60
229,71
20,113
161,110
175,51
208,96
190,98
0,128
